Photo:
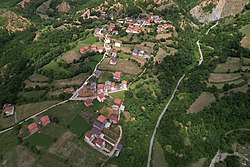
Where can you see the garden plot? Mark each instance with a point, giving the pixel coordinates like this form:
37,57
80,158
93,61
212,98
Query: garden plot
232,64
222,78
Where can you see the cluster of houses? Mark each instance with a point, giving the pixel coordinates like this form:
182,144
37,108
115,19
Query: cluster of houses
96,138
141,53
163,27
8,109
92,48
33,127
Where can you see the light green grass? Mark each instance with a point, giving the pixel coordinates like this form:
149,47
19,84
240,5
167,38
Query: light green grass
3,21
79,126
7,141
26,110
33,94
124,56
105,76
6,122
97,105
89,40
53,130
66,112
38,78
246,61
120,95
232,64
51,160
39,139
246,40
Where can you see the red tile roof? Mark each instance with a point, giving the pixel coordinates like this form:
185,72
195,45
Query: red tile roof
100,86
99,141
7,107
113,118
124,82
117,74
45,119
101,96
32,127
118,101
113,84
88,102
88,134
101,118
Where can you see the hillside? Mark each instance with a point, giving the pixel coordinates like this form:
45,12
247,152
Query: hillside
124,83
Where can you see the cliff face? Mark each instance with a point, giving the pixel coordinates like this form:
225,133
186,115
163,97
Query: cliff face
220,9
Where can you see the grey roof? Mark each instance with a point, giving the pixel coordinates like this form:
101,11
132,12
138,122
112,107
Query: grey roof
97,73
119,147
95,131
97,124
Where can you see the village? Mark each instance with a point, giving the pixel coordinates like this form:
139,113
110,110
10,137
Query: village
105,134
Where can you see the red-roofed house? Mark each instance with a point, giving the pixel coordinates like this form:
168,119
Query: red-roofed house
117,104
107,40
88,102
8,109
100,88
113,118
100,49
117,75
32,128
100,143
102,119
101,97
124,84
94,48
118,43
116,32
69,90
45,120
84,49
89,136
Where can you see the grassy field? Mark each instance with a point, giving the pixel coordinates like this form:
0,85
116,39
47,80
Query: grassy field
38,78
50,160
39,139
236,82
120,95
8,140
32,94
204,100
6,122
89,40
232,64
105,76
122,65
54,66
26,110
53,130
245,42
79,126
221,78
123,56
246,61
3,21
97,105
158,158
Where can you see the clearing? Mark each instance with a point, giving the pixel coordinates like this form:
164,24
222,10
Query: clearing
232,64
164,36
125,66
222,78
245,42
204,100
26,110
158,158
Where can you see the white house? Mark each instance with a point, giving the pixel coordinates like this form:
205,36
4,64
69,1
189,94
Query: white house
118,43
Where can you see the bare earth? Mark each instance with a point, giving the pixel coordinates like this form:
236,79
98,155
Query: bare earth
55,148
215,78
204,100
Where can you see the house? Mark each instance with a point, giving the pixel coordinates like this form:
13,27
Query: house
69,90
8,109
45,120
96,132
124,84
94,48
84,49
118,43
141,53
117,75
118,150
100,88
97,73
107,40
97,124
115,32
89,136
100,49
113,118
92,86
129,30
108,48
121,21
101,97
113,61
97,30
32,128
100,143
113,88
147,54
118,102
102,119
107,85
135,52
114,52
88,102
